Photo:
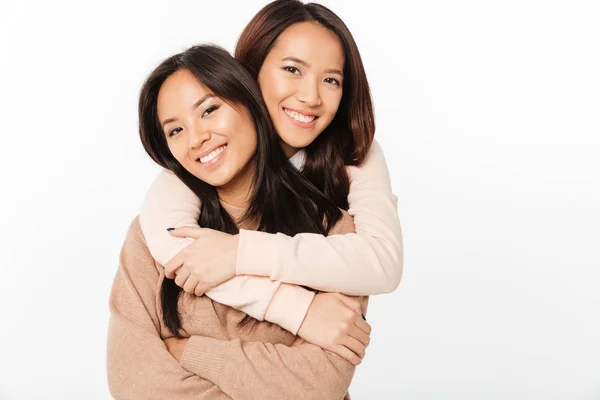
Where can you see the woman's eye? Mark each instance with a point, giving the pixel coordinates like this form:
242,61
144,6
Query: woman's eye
174,131
209,110
332,81
293,70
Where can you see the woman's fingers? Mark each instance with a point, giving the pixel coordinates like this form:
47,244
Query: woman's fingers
199,290
202,287
182,276
358,334
349,355
363,325
174,265
193,232
190,284
298,342
355,346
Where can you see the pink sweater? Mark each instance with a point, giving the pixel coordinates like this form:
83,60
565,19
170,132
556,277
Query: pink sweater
365,263
221,360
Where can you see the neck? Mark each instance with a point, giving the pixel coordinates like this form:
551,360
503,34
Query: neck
238,192
288,150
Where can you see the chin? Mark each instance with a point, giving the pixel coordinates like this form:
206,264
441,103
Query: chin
299,143
217,182
212,180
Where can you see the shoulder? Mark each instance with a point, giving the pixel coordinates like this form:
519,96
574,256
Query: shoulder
134,236
168,190
372,174
135,255
374,160
168,180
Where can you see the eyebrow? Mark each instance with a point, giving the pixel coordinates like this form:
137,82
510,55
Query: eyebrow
194,106
299,61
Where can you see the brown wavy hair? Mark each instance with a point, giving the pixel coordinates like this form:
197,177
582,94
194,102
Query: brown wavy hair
348,138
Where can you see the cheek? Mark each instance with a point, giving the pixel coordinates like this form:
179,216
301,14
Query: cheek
332,102
176,150
248,146
227,122
275,88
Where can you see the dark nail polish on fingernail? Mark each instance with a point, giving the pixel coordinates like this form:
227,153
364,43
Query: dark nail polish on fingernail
363,315
170,229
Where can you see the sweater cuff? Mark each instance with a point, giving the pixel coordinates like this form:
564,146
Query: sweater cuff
289,307
204,357
257,253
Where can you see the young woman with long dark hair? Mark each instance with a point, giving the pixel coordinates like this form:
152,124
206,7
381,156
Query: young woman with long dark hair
195,104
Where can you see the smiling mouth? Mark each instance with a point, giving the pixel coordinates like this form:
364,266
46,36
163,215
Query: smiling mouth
299,117
212,155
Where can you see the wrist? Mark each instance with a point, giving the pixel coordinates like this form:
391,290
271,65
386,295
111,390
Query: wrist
303,330
289,307
233,250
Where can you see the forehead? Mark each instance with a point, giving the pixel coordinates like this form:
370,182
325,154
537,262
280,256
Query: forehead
179,89
310,42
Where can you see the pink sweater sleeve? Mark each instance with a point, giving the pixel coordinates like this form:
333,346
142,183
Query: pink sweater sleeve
261,370
257,370
366,263
138,364
170,203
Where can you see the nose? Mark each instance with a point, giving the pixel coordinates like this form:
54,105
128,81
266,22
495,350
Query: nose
197,136
309,93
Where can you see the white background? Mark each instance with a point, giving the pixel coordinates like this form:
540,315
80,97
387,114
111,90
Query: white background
489,116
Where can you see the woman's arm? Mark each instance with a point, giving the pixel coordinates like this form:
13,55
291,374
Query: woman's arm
366,263
256,370
138,363
170,203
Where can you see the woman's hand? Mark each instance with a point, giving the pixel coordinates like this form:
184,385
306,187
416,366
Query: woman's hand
176,346
298,342
204,264
335,322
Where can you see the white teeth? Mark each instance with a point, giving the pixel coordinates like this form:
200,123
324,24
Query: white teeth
212,154
299,117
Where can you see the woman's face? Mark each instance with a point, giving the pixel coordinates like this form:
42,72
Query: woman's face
301,82
212,140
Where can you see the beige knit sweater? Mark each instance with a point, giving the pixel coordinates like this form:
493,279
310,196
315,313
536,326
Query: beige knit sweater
221,360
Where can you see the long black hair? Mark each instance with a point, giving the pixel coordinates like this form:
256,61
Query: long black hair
282,199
